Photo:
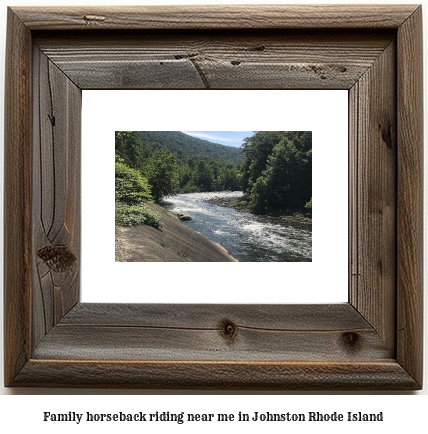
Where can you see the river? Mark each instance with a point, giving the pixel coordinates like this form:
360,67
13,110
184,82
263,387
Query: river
248,237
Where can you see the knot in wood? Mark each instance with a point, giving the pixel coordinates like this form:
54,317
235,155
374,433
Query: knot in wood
58,259
351,340
386,134
227,329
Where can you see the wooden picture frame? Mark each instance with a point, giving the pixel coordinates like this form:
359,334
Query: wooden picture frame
372,342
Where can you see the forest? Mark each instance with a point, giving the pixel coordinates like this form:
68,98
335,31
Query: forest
182,146
272,168
174,162
276,175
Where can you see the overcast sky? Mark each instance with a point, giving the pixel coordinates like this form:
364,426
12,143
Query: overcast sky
228,138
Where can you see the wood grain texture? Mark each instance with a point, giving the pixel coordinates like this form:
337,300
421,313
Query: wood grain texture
373,166
374,342
385,375
217,16
56,194
210,316
17,199
410,197
216,59
199,332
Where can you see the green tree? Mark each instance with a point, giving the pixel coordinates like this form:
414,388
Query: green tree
281,176
288,176
231,179
191,163
258,196
278,166
204,176
129,147
162,174
257,150
130,187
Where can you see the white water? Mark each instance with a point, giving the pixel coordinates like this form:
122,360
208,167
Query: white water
249,238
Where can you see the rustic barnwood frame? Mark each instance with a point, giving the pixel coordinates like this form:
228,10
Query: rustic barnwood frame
372,342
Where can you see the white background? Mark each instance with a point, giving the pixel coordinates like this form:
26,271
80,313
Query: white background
403,413
324,280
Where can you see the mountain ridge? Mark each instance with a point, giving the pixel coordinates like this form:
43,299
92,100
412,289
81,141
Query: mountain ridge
184,146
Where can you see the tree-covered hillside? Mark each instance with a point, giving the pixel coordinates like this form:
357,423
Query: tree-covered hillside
184,146
175,162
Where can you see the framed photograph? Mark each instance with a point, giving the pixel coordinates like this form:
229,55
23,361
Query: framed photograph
372,341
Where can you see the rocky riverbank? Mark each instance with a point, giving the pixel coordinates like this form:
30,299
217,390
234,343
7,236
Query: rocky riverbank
227,202
174,243
240,204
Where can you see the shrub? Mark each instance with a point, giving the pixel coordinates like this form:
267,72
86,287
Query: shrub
308,206
131,187
134,215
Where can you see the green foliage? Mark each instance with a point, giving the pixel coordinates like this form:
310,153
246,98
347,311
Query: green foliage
129,147
205,176
258,196
189,188
134,215
131,187
162,173
283,161
199,164
186,147
276,174
257,150
209,175
131,190
308,206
